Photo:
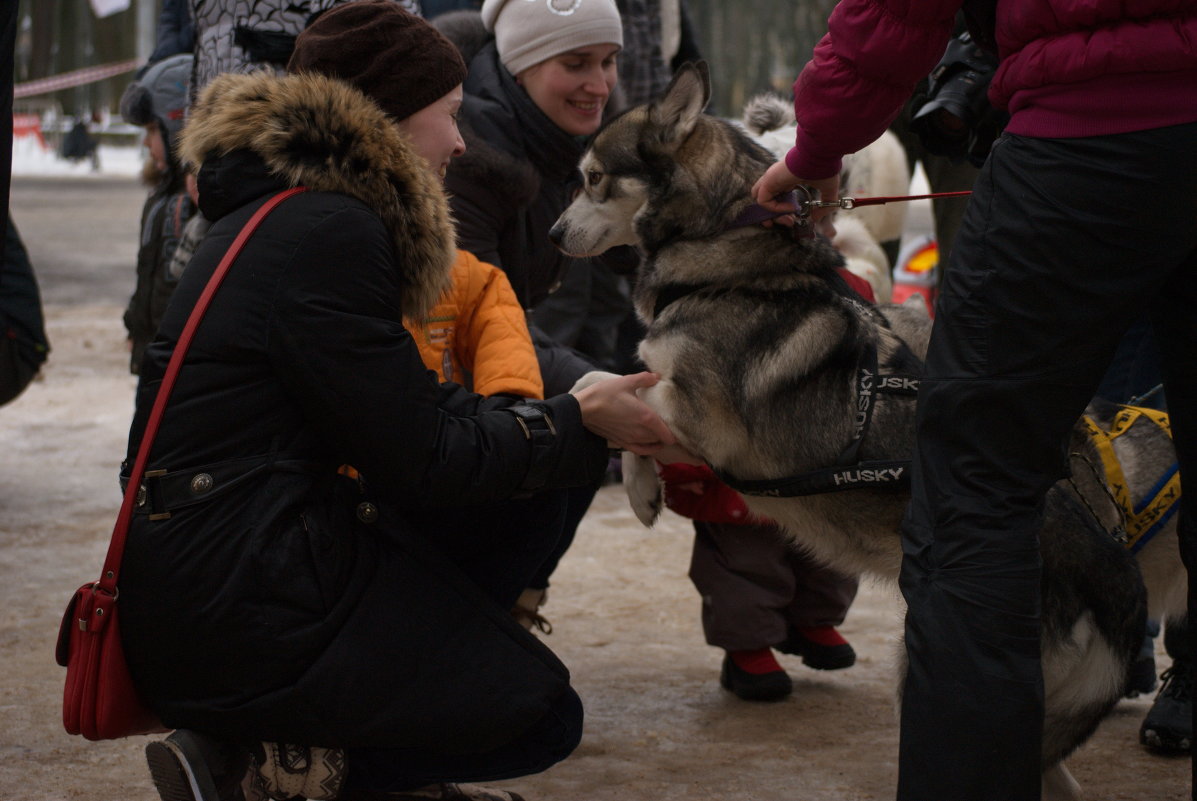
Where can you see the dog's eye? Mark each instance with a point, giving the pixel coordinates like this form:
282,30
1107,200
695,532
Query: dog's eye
593,177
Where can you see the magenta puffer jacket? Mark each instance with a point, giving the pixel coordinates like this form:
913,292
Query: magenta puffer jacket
1072,68
1069,68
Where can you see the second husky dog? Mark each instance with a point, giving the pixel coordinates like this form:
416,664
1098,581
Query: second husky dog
802,397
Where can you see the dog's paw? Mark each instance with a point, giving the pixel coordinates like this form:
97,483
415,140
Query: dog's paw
591,378
643,487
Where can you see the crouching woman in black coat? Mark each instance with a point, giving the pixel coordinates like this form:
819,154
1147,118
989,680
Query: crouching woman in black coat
269,599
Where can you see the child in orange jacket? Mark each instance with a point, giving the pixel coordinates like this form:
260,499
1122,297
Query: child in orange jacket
477,336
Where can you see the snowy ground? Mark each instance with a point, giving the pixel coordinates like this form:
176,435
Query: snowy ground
30,159
626,619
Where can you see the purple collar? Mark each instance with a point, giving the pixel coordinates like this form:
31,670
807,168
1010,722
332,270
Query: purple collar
755,214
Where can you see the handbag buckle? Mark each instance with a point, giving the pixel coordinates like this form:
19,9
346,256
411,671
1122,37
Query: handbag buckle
98,610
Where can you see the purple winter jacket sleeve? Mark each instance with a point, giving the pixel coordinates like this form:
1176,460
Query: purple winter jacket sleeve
861,73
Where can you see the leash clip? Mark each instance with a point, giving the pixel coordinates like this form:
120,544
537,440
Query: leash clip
805,200
842,203
802,198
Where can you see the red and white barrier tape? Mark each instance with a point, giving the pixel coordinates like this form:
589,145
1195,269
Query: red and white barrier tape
73,78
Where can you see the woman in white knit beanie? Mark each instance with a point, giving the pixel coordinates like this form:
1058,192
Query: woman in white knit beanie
541,73
562,52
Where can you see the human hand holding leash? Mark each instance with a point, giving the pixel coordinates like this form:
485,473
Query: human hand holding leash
612,409
778,181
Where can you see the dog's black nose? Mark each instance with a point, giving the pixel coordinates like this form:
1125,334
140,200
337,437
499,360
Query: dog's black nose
556,234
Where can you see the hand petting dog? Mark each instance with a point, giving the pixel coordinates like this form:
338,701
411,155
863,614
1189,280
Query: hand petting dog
612,409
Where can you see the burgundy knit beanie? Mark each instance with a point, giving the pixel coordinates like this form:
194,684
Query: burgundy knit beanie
397,59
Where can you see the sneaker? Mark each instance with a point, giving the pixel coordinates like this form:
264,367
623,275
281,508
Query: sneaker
821,647
190,766
755,676
1168,726
443,791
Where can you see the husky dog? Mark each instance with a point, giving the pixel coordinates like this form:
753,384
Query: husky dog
792,391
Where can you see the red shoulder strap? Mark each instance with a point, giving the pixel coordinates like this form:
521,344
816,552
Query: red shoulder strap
116,548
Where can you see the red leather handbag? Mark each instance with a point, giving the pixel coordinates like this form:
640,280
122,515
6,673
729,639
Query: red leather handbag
100,700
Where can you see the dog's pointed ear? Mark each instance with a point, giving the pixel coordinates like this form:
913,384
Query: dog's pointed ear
676,113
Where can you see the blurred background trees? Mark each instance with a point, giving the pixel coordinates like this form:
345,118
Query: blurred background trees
752,45
755,46
58,36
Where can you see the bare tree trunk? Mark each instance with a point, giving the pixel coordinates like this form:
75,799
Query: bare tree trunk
113,36
43,17
755,46
65,35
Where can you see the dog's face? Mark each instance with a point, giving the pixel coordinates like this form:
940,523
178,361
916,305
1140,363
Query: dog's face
629,160
603,214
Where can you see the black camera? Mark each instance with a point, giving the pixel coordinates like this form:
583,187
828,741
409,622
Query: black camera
953,118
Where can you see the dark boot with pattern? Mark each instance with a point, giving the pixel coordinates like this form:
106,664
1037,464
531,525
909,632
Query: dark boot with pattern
282,772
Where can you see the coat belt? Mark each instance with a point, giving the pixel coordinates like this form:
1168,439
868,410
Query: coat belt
165,491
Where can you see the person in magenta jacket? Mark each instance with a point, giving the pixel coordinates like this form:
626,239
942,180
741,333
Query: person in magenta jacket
1081,220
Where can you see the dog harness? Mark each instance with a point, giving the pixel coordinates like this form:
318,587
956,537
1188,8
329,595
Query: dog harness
848,473
1146,518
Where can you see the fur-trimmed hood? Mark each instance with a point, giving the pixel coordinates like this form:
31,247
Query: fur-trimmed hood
314,131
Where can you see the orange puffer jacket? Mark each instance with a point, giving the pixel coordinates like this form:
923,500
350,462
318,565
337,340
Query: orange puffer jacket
477,335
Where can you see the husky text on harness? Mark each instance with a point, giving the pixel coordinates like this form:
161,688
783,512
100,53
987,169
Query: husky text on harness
848,473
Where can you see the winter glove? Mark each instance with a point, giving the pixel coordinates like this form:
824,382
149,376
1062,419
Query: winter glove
695,492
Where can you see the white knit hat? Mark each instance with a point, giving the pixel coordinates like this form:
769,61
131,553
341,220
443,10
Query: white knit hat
529,31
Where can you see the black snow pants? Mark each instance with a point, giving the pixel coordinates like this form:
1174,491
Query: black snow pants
1064,244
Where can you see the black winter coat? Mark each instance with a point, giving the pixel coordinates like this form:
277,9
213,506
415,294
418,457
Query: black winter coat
166,211
270,604
21,317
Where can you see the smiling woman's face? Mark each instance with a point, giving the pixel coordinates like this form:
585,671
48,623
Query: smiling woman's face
433,131
573,88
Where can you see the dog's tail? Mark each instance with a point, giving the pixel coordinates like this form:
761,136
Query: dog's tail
767,112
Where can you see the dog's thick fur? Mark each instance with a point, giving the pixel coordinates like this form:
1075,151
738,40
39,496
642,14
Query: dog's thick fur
758,356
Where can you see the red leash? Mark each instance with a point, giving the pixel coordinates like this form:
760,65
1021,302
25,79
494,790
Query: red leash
803,202
852,202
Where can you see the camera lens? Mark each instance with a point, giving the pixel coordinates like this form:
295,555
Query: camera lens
956,101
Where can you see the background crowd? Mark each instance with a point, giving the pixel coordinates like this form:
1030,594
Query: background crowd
520,324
